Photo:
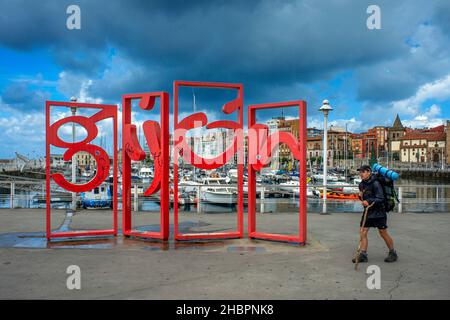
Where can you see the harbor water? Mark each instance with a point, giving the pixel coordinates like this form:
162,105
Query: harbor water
418,196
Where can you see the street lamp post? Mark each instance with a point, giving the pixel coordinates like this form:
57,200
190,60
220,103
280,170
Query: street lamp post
74,160
325,108
345,153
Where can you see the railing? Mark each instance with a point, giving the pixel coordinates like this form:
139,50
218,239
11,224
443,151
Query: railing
270,197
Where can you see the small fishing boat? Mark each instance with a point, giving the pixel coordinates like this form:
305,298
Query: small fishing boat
218,191
319,177
146,174
293,186
100,197
340,196
188,186
233,175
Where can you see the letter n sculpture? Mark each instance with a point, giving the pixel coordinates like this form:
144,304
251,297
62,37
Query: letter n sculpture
260,148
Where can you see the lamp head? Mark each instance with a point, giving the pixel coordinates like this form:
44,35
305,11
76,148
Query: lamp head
73,99
325,108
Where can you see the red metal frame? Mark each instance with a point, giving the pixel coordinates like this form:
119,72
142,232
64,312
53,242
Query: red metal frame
256,162
102,159
180,146
158,142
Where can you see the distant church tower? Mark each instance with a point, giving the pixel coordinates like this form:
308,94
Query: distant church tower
394,134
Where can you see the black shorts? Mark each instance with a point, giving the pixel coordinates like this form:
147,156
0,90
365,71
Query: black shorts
380,223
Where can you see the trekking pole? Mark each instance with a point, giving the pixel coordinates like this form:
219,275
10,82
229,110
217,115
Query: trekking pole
358,251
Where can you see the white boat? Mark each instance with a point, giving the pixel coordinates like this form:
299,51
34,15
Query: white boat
187,185
233,175
269,173
218,191
352,190
146,173
336,183
290,186
312,192
100,197
293,186
319,177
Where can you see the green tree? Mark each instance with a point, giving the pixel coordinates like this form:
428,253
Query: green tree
373,158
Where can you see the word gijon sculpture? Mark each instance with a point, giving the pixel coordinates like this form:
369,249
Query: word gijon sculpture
261,144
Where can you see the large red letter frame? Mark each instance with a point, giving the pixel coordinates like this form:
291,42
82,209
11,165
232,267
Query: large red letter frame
100,155
259,154
182,148
158,143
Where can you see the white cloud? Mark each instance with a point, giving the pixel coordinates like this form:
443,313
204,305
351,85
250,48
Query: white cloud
78,86
430,118
353,125
438,90
23,133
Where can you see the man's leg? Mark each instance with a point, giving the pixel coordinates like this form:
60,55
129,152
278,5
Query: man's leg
392,255
363,242
387,238
363,238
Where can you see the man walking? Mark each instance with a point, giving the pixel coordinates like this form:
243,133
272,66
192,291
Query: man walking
372,197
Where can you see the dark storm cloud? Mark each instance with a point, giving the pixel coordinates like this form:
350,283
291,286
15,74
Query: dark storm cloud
21,96
442,16
263,44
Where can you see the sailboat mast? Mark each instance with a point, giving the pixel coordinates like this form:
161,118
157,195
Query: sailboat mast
194,107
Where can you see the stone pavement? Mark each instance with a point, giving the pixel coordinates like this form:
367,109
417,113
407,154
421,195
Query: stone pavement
30,268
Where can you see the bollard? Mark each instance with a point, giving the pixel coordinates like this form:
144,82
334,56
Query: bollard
262,199
198,199
11,195
324,201
400,199
136,203
437,194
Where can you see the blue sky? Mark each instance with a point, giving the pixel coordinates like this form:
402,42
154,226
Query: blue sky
280,50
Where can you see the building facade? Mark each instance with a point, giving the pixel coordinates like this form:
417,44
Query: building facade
381,134
424,145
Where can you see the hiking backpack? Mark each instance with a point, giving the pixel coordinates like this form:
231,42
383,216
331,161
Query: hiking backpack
390,196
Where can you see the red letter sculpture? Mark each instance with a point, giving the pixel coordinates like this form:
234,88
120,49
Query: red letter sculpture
260,147
100,156
182,148
158,143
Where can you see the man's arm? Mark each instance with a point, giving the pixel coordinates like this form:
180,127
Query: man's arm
378,196
361,192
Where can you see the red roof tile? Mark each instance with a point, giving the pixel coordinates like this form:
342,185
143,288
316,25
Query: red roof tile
431,136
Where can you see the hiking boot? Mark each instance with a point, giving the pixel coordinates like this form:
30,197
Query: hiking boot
392,256
362,258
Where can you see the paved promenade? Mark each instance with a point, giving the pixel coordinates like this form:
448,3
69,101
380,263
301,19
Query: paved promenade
30,268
